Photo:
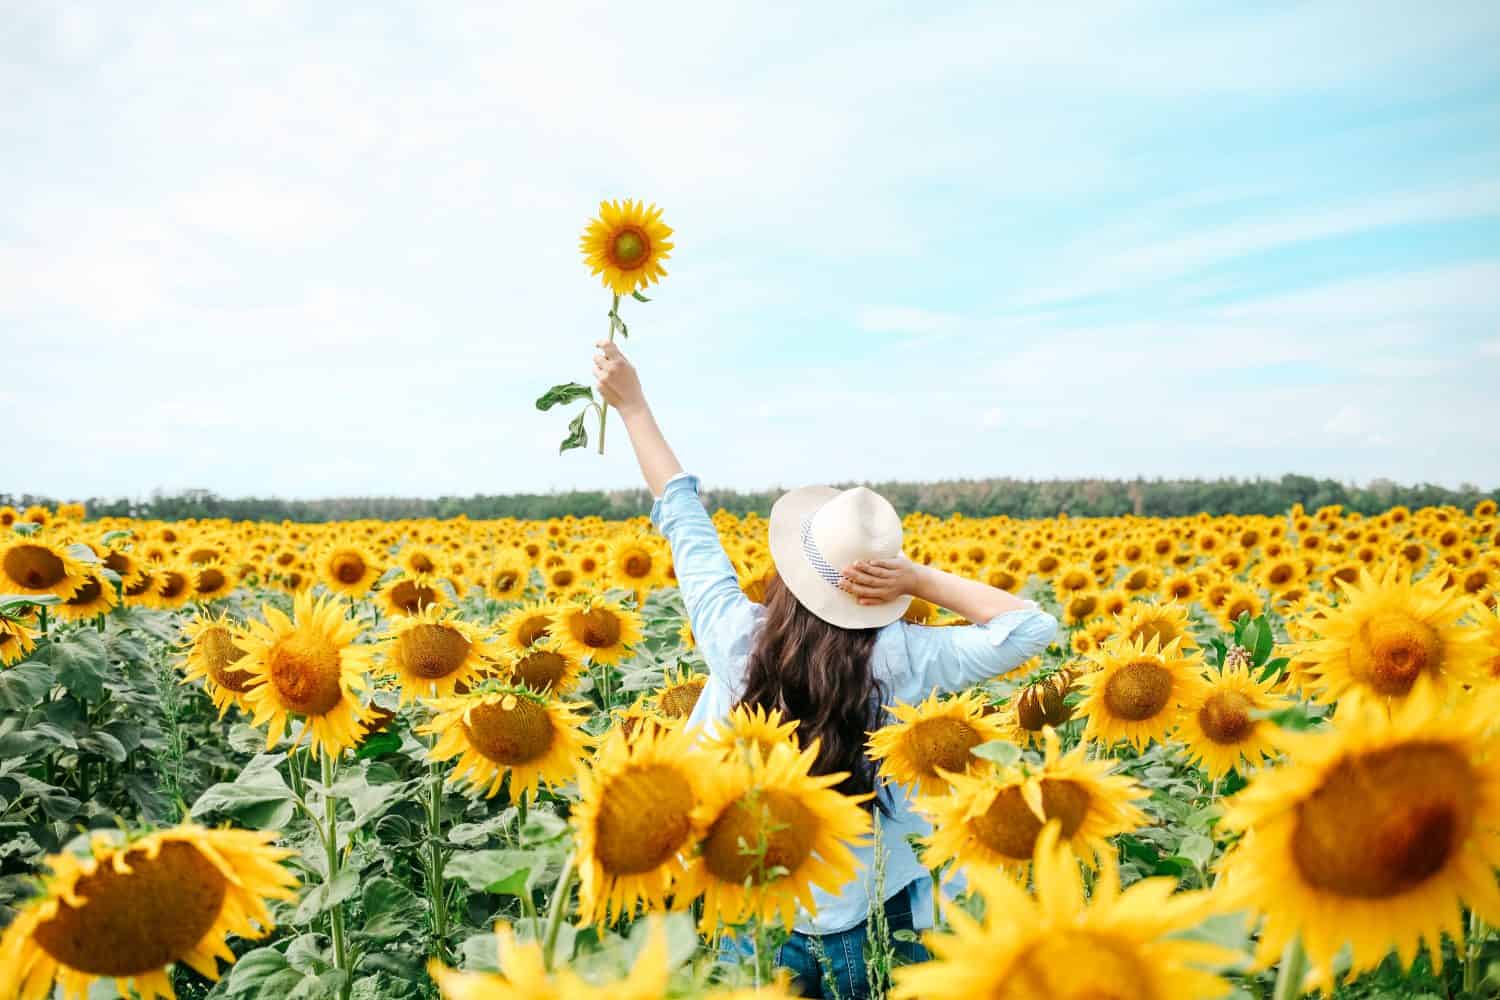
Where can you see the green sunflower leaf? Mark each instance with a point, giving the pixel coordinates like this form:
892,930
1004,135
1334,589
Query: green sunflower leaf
578,435
639,297
560,395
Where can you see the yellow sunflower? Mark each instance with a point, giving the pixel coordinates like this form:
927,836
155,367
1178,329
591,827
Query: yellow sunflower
1390,634
508,577
1240,599
636,818
431,652
1220,724
308,666
172,586
1067,944
512,731
16,640
526,976
748,727
127,912
543,666
126,565
598,630
35,568
935,736
1138,691
412,594
626,245
1376,835
993,820
679,693
772,831
212,658
1164,622
96,597
1489,624
521,628
635,563
212,580
348,568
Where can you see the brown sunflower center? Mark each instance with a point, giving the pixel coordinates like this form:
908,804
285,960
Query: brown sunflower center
135,923
141,586
540,670
1138,579
1225,717
1280,573
1384,822
173,584
34,567
511,731
119,562
678,700
596,629
87,594
629,248
433,651
637,565
348,568
1391,650
211,580
942,742
533,628
757,834
505,580
645,816
421,562
219,653
1009,827
1138,691
1161,630
305,670
410,598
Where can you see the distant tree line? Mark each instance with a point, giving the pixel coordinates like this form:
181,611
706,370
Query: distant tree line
970,497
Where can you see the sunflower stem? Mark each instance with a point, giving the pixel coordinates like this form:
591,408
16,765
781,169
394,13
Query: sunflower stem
335,913
1473,947
559,904
438,889
614,314
1292,968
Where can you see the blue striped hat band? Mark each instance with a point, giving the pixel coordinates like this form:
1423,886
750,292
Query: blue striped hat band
815,556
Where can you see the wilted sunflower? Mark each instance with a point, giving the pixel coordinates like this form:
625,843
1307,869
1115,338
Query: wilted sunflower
431,652
626,245
635,564
679,693
1067,944
1375,835
95,597
412,594
512,731
751,727
526,976
598,630
1220,722
772,831
635,819
127,912
349,569
1138,691
934,736
308,666
1164,622
993,820
508,577
212,657
1389,634
16,640
543,666
35,568
522,627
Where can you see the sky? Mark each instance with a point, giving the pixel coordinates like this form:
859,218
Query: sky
296,249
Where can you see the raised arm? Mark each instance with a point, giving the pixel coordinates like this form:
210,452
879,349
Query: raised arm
621,388
880,580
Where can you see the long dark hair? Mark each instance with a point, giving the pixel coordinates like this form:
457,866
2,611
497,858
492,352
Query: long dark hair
818,675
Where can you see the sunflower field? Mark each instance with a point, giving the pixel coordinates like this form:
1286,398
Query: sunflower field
383,759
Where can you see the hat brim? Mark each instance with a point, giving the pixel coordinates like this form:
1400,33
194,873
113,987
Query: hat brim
823,599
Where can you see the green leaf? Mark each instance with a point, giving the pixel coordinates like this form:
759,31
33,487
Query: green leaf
15,605
561,395
25,685
379,745
639,297
263,972
82,553
1196,848
1265,641
110,537
1002,752
578,436
479,951
1274,668
327,896
82,663
618,324
258,798
500,872
391,910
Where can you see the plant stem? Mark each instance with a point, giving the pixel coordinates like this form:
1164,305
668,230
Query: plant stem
559,904
614,314
438,889
1289,975
1472,949
336,914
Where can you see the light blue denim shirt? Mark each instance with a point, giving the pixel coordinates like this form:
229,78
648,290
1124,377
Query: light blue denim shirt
909,660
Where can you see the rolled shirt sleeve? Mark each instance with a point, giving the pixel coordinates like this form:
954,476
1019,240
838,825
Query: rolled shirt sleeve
955,657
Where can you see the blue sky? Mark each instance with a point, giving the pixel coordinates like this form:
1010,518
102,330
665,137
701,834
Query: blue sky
323,249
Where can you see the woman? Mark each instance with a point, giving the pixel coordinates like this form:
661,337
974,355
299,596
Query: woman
828,649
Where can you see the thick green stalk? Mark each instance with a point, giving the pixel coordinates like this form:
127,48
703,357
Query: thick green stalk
559,904
1473,947
1289,975
331,841
438,888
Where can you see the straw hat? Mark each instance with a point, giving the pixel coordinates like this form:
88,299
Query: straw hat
816,532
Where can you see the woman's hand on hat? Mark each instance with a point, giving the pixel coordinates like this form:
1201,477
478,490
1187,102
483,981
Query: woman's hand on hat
618,382
876,581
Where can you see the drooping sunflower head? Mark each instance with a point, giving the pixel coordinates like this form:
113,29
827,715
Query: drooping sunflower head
213,657
636,818
431,652
626,245
1374,836
348,568
934,737
130,910
34,567
307,666
499,731
598,630
752,729
772,831
679,693
1138,690
17,638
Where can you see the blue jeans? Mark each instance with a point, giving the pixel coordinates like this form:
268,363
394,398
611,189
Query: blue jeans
843,954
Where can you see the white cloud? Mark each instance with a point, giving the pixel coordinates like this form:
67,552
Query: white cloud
1491,348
